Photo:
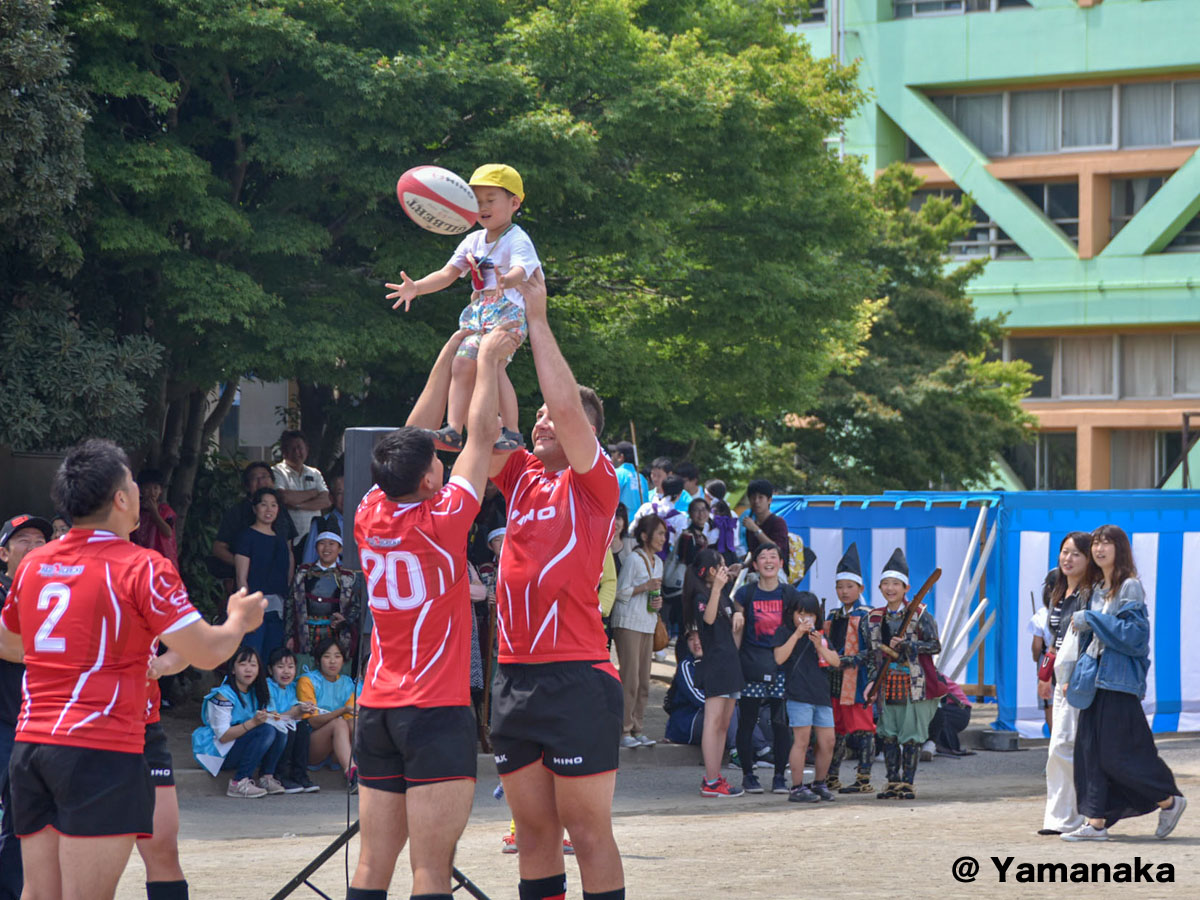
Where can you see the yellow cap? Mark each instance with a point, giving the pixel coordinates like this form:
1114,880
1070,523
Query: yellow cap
501,176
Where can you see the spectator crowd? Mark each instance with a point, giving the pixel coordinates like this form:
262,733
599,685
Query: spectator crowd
764,674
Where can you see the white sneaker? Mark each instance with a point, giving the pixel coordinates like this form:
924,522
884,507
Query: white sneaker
271,785
660,656
1169,818
646,741
629,741
246,788
1086,833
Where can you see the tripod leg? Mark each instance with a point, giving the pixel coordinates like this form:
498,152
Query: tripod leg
319,860
464,883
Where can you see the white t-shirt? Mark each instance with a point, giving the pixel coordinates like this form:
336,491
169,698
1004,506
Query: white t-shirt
511,249
288,479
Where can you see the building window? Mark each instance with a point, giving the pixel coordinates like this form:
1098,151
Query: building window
815,14
985,239
1187,365
906,9
1129,195
1019,123
1150,365
1087,366
1033,118
1042,356
1146,365
1087,118
1187,111
1048,464
1140,460
1059,201
1146,115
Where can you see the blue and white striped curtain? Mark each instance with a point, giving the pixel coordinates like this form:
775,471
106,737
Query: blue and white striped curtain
1164,528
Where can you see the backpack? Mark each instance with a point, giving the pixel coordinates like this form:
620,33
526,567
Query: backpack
798,559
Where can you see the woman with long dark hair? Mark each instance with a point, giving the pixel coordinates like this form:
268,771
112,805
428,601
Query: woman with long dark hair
1118,772
1070,590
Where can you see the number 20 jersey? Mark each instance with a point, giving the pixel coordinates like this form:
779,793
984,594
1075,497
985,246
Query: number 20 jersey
414,558
88,608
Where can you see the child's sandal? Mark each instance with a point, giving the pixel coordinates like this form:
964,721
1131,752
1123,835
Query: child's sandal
448,439
509,441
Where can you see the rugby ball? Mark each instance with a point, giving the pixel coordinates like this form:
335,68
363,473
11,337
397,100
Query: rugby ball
437,200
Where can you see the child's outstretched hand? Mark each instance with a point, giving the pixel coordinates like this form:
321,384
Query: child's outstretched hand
406,291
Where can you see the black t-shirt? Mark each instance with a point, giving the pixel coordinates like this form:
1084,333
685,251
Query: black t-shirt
11,676
804,682
722,671
764,614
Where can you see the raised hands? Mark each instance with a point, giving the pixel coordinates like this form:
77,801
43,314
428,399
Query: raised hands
405,292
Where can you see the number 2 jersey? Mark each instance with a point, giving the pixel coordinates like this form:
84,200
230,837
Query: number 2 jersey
88,608
414,558
560,525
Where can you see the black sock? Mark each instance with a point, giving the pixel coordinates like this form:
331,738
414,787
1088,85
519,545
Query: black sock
166,890
365,894
552,887
615,894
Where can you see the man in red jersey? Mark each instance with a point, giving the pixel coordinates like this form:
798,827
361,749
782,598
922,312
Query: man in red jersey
82,615
415,742
557,702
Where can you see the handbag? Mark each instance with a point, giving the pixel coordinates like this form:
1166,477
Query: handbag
1046,666
936,684
661,638
1082,689
1066,657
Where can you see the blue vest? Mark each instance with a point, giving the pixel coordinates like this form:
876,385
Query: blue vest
282,698
330,695
244,706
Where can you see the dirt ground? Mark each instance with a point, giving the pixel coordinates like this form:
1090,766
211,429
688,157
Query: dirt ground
677,844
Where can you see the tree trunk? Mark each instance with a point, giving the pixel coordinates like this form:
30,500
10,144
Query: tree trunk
168,455
190,455
195,433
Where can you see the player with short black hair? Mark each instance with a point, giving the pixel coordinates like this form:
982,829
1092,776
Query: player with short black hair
83,615
401,459
415,741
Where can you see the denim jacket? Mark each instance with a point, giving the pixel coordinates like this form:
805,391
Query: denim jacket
1126,658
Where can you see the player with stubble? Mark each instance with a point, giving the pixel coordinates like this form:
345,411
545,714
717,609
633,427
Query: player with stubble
83,614
556,702
415,742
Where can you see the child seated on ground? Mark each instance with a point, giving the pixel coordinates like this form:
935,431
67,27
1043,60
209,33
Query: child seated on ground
236,733
288,718
332,693
325,600
499,256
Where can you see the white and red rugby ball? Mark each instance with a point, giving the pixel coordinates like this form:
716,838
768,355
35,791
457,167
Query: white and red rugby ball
437,200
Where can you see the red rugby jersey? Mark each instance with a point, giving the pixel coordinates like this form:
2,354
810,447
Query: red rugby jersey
414,557
560,525
88,608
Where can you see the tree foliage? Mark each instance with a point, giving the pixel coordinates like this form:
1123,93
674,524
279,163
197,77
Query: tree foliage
65,380
928,404
696,233
42,117
710,261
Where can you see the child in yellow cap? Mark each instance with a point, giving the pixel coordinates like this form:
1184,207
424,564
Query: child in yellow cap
498,257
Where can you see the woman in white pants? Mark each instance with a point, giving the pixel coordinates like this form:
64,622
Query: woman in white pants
1071,592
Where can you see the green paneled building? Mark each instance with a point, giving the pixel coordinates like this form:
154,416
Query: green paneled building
1074,125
